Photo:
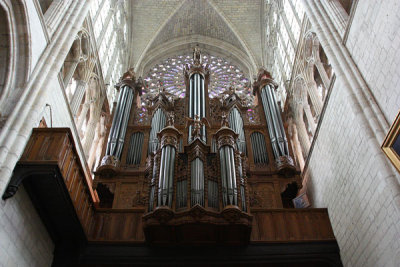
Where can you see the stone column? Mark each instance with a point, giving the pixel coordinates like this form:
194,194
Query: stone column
55,13
315,98
90,128
85,73
82,116
338,14
70,73
296,144
324,77
92,152
77,97
309,117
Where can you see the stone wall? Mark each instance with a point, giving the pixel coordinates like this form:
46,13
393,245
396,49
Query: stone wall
374,41
24,240
345,178
347,173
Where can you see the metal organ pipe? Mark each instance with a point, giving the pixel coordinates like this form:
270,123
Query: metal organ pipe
236,124
157,124
274,121
135,148
258,145
120,122
197,103
166,177
228,176
197,182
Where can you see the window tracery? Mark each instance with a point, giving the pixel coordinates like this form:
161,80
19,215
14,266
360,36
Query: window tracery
170,73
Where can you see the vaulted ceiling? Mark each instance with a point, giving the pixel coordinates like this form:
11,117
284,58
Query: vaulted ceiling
232,29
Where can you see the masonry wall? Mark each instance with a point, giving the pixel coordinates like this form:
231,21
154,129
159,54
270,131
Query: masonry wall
374,42
24,240
345,175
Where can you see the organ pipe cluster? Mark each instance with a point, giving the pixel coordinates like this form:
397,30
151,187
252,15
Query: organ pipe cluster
197,102
129,88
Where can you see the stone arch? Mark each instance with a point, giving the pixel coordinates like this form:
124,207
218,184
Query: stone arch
14,53
44,5
184,44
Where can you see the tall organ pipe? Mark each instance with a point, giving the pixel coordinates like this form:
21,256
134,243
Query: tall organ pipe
197,102
157,124
197,182
236,124
228,176
135,149
120,122
258,145
166,178
274,122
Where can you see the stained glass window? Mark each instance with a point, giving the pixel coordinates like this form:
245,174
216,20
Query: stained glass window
223,74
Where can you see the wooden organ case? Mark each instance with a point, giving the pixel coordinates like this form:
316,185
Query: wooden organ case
200,170
192,171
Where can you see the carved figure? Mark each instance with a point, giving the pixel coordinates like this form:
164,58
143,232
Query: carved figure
224,121
129,75
196,124
196,56
171,119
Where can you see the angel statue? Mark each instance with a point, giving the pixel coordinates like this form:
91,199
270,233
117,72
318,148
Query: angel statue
129,75
171,119
196,124
224,121
196,56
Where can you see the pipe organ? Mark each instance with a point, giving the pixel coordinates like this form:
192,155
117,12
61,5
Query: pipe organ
197,163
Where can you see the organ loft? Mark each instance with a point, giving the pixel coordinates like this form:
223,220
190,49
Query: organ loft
197,173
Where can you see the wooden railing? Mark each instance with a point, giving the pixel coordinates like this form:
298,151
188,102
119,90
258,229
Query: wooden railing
55,146
287,225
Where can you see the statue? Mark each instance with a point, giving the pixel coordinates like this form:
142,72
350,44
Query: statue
196,56
171,119
196,124
129,75
161,88
224,121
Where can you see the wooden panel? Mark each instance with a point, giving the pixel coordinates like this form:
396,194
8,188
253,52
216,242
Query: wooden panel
287,225
56,146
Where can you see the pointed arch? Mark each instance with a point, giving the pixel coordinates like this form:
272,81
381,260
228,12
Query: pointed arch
171,30
14,52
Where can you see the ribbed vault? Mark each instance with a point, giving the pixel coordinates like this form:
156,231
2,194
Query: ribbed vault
219,27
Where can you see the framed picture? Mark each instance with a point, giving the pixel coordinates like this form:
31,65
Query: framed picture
391,145
301,201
